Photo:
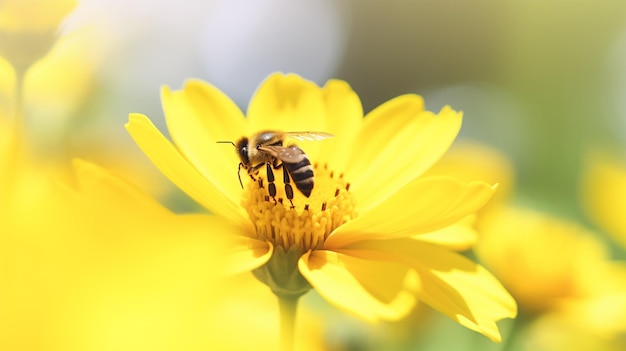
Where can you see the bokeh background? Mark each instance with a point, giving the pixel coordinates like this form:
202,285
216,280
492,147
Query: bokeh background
542,84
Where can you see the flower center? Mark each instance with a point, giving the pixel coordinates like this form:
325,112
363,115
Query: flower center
309,222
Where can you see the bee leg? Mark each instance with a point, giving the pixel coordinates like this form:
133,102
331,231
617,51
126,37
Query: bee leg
288,188
271,187
252,171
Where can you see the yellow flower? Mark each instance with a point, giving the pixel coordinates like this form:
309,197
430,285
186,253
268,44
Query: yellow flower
28,28
89,267
373,235
553,332
540,259
604,194
557,271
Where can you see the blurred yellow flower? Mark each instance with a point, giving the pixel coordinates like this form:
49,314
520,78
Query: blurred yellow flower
156,281
57,86
44,80
604,194
540,259
553,332
28,28
90,267
33,15
364,238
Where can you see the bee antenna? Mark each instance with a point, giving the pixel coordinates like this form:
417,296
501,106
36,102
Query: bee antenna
239,174
226,142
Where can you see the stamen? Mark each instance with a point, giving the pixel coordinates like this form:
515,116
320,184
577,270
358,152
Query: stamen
303,222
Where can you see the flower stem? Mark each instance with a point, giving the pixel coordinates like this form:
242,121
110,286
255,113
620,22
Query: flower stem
15,143
288,305
19,118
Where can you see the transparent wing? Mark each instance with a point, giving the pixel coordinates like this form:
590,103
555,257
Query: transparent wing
291,154
310,136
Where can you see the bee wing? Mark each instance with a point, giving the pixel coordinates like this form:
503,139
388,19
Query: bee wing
291,154
310,136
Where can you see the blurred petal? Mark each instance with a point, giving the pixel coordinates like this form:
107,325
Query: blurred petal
171,163
370,289
604,186
95,182
450,283
427,205
397,143
199,116
601,310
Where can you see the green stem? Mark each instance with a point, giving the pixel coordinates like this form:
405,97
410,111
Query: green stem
516,329
288,306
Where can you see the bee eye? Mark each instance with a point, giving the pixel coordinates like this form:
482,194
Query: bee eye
244,155
242,146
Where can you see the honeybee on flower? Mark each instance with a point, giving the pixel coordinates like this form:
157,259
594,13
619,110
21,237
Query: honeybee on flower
373,237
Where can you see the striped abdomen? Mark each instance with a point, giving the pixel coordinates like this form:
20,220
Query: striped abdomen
302,174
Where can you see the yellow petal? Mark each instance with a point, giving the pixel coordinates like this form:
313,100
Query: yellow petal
199,116
246,254
381,128
175,167
422,206
458,237
344,118
470,160
214,111
288,103
450,283
397,143
369,289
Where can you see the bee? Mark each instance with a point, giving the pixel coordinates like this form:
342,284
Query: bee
267,148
